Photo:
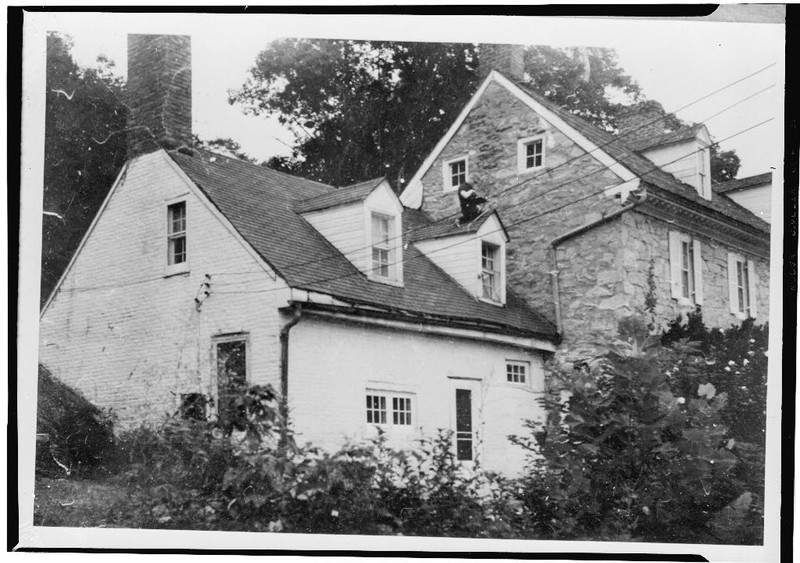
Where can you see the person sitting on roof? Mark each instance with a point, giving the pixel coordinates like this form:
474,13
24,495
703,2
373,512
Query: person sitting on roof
470,203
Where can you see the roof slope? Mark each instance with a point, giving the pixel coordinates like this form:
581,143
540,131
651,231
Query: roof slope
664,139
743,183
340,196
448,228
260,202
647,171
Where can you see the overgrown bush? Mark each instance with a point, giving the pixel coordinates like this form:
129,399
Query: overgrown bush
638,453
76,436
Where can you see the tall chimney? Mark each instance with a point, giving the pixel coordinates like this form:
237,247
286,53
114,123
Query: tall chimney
641,123
507,59
159,93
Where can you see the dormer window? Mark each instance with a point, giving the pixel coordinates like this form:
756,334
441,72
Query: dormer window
530,153
383,260
703,177
490,271
455,172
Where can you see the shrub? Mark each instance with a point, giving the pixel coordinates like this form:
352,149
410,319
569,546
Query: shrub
627,456
79,436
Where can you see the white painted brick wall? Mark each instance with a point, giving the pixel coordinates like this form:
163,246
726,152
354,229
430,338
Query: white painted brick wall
135,348
333,364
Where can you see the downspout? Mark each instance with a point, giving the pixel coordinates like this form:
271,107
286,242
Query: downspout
552,247
284,404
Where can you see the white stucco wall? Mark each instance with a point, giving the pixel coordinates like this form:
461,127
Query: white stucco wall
132,339
333,365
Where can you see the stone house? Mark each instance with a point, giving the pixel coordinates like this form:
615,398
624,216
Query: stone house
602,226
753,192
200,271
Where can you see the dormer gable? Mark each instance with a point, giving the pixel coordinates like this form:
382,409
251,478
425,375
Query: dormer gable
364,222
474,254
686,154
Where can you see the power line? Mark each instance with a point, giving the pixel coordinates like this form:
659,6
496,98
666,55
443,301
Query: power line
615,139
525,220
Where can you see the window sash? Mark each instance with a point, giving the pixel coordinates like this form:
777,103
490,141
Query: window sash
533,154
176,233
464,425
458,173
378,409
489,272
516,372
381,246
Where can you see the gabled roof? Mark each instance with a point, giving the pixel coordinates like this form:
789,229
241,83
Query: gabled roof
650,173
340,196
260,204
664,139
451,228
743,183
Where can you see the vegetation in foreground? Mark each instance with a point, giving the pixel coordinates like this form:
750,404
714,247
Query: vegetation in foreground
649,446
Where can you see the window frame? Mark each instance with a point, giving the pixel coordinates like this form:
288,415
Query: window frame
388,402
224,338
704,170
447,176
522,153
390,246
170,267
742,286
496,274
526,373
686,268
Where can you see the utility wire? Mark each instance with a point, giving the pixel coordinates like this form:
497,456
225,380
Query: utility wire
516,223
614,139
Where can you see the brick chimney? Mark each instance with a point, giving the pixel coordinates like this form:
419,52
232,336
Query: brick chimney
641,122
507,59
159,93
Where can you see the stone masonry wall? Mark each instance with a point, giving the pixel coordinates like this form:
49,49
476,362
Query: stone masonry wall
489,136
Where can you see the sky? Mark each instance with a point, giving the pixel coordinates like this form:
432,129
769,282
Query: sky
675,62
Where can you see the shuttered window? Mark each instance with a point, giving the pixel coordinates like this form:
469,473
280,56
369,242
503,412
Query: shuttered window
686,268
742,284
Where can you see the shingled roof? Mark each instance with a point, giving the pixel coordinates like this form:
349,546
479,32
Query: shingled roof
450,228
663,182
665,139
261,205
339,196
743,183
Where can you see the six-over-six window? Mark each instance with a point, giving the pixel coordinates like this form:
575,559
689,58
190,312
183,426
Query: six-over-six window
176,233
388,409
490,271
382,247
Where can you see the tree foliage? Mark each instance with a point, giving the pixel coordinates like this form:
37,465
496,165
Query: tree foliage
724,164
84,150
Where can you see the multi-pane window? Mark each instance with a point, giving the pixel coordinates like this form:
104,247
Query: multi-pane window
376,409
534,154
176,233
742,285
401,411
389,409
687,269
381,246
458,173
490,271
464,437
517,372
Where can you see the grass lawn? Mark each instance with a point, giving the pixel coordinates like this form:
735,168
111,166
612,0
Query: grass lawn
82,503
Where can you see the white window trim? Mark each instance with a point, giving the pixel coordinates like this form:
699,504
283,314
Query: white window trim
183,267
501,272
447,177
521,153
524,363
389,425
733,286
395,254
704,180
676,241
476,418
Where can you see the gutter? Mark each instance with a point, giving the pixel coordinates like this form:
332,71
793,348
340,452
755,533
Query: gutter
284,339
571,234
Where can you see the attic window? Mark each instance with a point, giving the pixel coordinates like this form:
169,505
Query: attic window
490,271
703,178
455,172
530,153
383,249
177,257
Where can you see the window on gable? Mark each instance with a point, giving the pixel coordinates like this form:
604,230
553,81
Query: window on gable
530,153
389,409
517,372
455,172
490,271
383,247
686,268
742,280
176,233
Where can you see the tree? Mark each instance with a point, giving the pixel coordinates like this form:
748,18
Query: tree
724,165
360,109
85,148
224,145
